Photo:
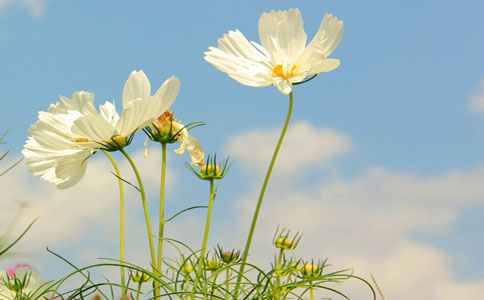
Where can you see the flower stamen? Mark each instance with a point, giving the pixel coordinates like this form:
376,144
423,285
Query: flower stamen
81,140
279,71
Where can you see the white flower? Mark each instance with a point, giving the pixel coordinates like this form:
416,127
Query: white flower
283,58
51,151
111,131
72,130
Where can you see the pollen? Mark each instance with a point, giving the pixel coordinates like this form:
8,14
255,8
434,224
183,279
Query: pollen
81,140
279,71
166,116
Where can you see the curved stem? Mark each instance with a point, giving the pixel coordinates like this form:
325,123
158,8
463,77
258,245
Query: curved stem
121,223
145,209
205,236
263,190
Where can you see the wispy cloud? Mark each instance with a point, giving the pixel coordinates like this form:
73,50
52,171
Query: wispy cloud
305,146
477,100
36,7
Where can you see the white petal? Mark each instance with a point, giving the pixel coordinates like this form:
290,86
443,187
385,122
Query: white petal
195,150
138,115
334,33
283,85
241,60
82,102
167,92
137,86
147,149
282,34
109,113
325,65
71,169
323,44
94,128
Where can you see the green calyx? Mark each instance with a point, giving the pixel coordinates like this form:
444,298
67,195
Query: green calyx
212,170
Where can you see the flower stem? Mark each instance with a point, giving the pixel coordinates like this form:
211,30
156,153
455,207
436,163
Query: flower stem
138,291
205,236
187,286
162,211
227,279
263,190
121,224
145,209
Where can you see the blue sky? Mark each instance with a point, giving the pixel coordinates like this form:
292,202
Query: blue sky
400,114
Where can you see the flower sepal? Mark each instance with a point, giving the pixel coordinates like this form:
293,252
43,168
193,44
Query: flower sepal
211,169
167,130
282,240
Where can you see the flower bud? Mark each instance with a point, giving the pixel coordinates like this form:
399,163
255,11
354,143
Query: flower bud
187,268
213,265
211,170
309,270
282,241
228,256
140,277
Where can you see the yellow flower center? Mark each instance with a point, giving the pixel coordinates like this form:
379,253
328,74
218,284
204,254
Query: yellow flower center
81,140
279,71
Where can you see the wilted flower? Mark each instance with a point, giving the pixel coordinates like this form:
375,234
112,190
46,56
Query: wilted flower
283,58
167,129
72,130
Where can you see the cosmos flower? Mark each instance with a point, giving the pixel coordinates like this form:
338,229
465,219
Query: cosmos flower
72,130
282,58
51,151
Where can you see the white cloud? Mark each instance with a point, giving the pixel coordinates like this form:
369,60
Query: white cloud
365,223
477,100
84,220
304,146
36,7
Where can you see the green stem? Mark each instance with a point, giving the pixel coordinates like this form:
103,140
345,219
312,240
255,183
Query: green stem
187,283
227,274
312,290
262,192
139,290
162,211
145,209
205,236
122,232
